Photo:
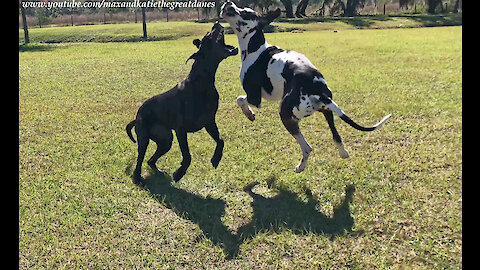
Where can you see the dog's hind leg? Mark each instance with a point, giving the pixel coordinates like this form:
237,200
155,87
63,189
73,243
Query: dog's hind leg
336,137
183,143
292,127
143,141
163,137
212,129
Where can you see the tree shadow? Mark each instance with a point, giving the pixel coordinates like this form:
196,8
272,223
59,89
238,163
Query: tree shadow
287,210
365,20
429,20
35,47
360,21
205,212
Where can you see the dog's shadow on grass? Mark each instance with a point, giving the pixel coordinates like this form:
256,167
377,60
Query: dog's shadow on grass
283,211
205,212
287,211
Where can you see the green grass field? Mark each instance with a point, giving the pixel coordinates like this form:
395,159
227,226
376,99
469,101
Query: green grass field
395,203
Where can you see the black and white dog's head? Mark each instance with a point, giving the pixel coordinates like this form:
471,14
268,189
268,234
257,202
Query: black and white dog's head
245,22
212,46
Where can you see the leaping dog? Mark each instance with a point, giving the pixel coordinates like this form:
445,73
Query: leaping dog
276,74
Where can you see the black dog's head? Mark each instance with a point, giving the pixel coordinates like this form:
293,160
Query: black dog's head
212,47
246,20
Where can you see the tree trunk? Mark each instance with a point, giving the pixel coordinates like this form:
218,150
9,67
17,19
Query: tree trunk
144,21
300,12
433,4
457,5
350,8
24,21
288,8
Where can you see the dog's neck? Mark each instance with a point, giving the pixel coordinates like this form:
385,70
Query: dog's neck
204,71
251,43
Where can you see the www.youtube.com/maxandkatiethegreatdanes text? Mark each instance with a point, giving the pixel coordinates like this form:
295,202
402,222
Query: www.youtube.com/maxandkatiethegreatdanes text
119,4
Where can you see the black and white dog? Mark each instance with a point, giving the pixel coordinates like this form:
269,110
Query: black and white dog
188,107
272,73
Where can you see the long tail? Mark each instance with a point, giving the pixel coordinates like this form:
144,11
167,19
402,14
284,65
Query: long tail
334,108
129,130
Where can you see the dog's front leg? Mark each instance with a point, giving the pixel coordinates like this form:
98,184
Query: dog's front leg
212,129
183,143
243,103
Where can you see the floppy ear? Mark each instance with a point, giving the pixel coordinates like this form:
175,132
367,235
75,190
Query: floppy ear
193,56
269,17
197,42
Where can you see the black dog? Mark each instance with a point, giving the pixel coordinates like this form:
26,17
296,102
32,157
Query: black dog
188,107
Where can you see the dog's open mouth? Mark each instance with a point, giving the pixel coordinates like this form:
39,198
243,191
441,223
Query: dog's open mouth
218,32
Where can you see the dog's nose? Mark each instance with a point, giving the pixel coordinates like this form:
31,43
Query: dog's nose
217,26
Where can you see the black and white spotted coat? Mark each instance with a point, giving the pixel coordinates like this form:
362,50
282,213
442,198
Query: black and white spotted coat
273,73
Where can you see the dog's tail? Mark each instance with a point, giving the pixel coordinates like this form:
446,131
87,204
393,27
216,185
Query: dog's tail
129,130
334,108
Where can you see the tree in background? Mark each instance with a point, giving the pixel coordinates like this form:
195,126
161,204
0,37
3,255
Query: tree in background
24,20
433,4
457,7
352,6
302,5
405,3
348,8
144,22
288,8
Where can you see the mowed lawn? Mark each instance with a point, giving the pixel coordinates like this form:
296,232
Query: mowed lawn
396,202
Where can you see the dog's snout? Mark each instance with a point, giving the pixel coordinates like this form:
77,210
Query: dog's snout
229,9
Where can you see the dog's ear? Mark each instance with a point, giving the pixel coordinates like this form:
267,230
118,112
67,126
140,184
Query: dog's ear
193,56
197,42
269,17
